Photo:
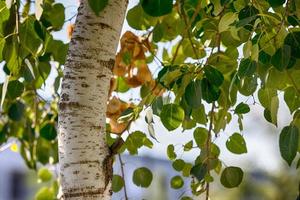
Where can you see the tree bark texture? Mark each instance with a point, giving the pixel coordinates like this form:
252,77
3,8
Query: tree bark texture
84,157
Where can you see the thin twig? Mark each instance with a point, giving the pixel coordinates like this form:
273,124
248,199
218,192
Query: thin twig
208,143
123,175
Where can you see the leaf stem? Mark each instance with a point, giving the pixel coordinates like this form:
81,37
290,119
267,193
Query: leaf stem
208,145
123,176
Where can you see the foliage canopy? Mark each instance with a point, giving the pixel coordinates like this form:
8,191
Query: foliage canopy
209,53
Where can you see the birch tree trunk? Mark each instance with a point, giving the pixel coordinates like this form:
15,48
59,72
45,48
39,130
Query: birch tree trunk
85,160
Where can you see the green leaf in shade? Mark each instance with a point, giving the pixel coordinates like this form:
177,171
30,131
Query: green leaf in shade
48,131
193,94
247,67
178,164
209,92
98,5
276,3
170,152
288,143
200,136
214,76
157,106
232,177
242,108
117,183
142,177
248,14
248,85
14,89
199,171
291,98
280,60
172,116
236,144
176,182
158,32
157,8
293,40
29,39
16,111
199,115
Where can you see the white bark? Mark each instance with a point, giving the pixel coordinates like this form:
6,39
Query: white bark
85,160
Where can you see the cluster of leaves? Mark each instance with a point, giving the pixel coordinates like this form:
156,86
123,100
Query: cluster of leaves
213,51
28,53
210,51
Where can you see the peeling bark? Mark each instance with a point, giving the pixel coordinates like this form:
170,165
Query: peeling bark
85,160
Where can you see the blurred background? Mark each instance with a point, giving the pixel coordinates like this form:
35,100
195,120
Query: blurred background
267,176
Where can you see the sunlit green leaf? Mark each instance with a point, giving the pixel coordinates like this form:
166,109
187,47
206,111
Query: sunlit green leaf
232,177
142,177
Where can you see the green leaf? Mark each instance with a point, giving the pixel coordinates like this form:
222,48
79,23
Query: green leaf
236,144
193,94
291,98
188,146
138,19
178,164
11,56
209,92
122,85
136,140
247,67
248,85
172,116
242,109
276,3
157,8
48,131
249,13
142,177
280,60
55,14
14,89
187,169
170,152
157,105
199,171
199,115
226,20
293,40
16,111
288,143
200,136
98,5
44,174
2,44
232,177
214,76
44,194
176,182
117,183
